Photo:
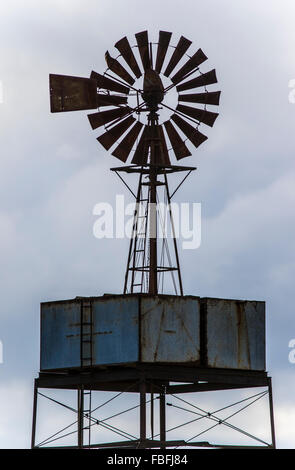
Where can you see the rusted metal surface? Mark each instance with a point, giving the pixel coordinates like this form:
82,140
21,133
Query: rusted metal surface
180,50
109,137
195,136
108,84
235,334
197,59
128,329
178,145
104,117
204,79
207,117
164,40
141,153
118,69
126,144
124,48
71,93
170,329
161,151
143,47
205,98
110,100
60,335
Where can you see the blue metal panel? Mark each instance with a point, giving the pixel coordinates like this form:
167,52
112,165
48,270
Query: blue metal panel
60,335
170,329
115,330
235,334
129,329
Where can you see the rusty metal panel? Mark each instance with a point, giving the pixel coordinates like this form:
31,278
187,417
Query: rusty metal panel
104,117
163,43
179,147
204,79
170,329
60,335
143,47
235,334
124,48
206,98
71,93
115,66
115,330
125,146
195,136
197,59
179,51
124,329
112,135
207,117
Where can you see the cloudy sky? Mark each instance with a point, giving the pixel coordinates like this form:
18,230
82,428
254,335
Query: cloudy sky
53,172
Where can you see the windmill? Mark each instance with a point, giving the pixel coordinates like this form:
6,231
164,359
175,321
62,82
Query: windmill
136,132
144,341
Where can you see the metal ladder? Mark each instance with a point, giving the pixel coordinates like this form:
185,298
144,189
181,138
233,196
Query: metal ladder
84,396
139,246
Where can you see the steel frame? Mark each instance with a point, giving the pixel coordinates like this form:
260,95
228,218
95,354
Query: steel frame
149,262
143,379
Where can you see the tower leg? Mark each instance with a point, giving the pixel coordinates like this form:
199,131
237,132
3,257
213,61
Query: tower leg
80,416
34,416
272,424
162,418
142,412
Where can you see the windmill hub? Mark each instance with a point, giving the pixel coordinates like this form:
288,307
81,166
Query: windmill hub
153,90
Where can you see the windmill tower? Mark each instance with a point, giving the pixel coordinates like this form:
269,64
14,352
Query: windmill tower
145,341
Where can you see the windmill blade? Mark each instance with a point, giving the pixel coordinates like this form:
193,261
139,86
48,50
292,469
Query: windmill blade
197,59
207,117
180,50
118,69
195,136
163,43
178,145
205,79
99,119
112,135
108,84
143,47
71,93
110,100
125,50
205,98
141,153
161,151
125,146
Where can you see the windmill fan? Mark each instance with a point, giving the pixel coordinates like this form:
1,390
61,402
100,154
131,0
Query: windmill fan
111,93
